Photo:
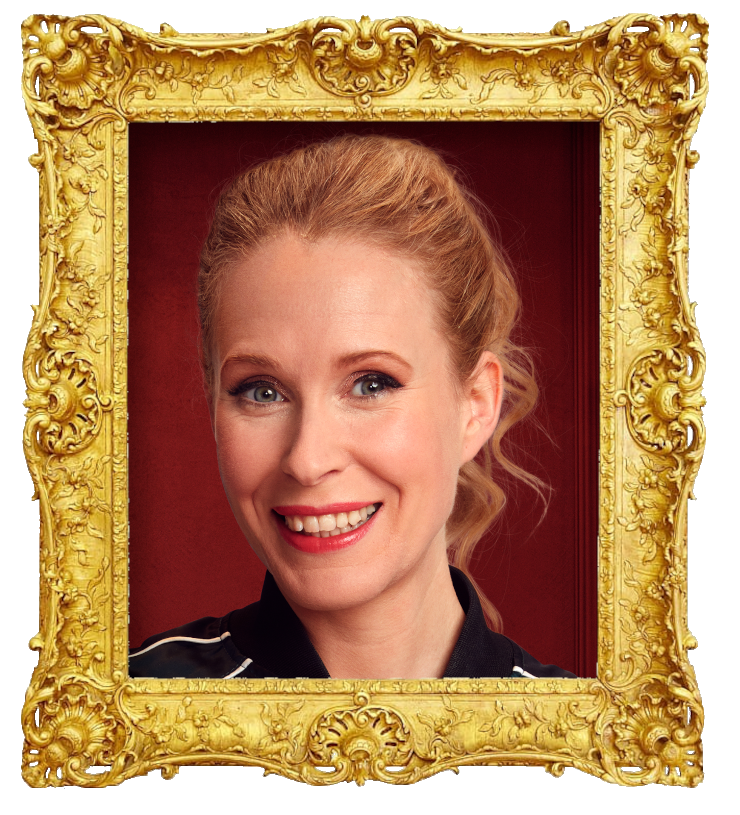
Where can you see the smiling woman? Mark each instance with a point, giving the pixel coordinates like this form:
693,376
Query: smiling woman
355,343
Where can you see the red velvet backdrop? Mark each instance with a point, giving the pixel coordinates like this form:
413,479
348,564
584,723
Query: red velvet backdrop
188,558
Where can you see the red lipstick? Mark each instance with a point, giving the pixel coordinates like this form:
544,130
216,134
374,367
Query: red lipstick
308,543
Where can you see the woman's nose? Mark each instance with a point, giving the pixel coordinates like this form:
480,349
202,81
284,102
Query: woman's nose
317,446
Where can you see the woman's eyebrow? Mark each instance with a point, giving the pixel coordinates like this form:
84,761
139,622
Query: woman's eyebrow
346,360
361,356
252,359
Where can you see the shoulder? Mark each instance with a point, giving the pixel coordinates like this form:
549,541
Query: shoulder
202,649
526,666
263,639
482,652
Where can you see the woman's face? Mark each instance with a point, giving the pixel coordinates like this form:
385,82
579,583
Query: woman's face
333,393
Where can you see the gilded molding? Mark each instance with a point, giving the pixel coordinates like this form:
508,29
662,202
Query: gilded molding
643,78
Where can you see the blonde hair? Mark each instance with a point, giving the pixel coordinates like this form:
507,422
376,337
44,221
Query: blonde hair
401,196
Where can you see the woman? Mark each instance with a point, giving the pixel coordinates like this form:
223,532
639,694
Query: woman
355,321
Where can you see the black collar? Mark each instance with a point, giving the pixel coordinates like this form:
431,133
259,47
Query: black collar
270,633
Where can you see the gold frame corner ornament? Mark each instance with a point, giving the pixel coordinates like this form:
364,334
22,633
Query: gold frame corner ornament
643,78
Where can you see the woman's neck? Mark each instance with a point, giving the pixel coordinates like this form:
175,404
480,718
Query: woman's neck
407,632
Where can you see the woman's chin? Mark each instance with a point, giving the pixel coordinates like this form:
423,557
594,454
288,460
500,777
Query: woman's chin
324,591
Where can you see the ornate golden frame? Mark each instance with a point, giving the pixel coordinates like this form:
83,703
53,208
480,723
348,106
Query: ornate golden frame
644,79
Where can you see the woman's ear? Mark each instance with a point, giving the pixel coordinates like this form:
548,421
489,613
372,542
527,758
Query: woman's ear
483,395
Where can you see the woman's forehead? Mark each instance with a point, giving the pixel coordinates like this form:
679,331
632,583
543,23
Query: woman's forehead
333,294
293,268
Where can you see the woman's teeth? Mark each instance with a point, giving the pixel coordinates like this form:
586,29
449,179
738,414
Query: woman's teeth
327,526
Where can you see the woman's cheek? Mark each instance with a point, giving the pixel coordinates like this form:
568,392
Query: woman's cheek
244,456
406,446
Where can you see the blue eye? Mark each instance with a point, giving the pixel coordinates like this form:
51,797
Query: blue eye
373,385
263,392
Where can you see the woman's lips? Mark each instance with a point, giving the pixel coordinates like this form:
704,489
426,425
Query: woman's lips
313,544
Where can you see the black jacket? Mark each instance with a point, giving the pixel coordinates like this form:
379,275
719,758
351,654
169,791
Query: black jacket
266,639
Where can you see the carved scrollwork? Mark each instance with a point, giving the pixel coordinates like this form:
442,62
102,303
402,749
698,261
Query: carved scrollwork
659,733
536,75
443,74
80,611
200,76
67,65
365,59
360,742
664,401
284,735
195,726
445,729
65,405
70,728
283,73
653,67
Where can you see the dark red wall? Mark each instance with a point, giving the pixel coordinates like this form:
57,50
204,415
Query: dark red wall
188,558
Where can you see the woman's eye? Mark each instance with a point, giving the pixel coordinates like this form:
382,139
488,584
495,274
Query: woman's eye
373,385
262,393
